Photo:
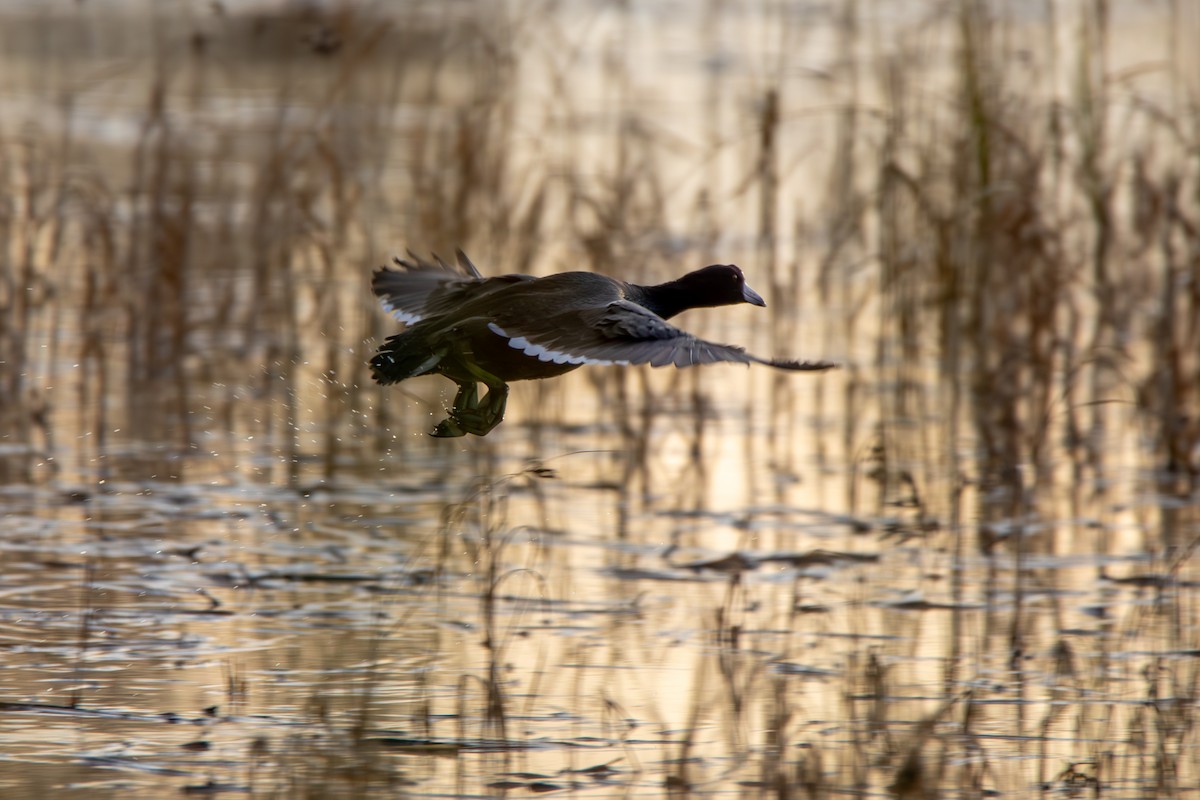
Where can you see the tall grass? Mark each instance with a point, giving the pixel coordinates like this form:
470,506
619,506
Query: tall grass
1001,215
1044,235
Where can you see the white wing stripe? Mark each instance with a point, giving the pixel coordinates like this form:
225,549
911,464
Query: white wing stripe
546,354
407,317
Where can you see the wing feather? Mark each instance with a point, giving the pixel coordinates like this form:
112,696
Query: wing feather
417,288
623,332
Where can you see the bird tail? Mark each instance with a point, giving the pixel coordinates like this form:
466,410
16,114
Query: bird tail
400,358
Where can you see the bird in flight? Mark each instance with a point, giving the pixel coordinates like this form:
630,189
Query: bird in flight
492,331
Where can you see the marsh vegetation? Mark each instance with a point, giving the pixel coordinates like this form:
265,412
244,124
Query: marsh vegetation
961,565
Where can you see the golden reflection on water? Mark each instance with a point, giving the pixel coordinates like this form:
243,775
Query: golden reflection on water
231,564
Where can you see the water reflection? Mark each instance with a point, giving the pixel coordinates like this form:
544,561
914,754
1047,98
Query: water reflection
962,564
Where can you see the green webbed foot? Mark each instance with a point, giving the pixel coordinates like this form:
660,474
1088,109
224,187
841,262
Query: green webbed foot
472,415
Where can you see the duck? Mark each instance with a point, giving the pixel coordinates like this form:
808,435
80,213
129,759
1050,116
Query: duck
495,330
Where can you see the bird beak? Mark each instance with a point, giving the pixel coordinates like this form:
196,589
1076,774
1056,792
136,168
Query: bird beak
752,297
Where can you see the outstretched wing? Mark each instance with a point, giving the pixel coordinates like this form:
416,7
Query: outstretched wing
417,288
625,333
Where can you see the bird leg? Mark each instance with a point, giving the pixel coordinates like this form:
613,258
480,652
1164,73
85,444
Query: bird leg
472,415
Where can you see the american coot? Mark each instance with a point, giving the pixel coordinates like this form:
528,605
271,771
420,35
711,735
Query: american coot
476,330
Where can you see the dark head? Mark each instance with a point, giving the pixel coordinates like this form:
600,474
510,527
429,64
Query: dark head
719,285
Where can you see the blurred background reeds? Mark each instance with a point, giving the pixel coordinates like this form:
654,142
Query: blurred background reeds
989,212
